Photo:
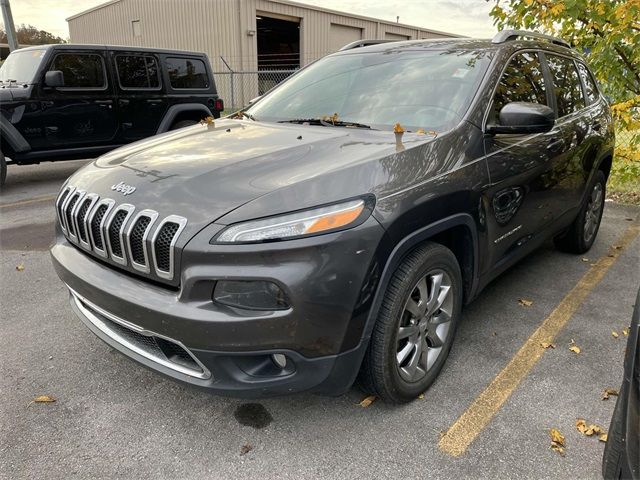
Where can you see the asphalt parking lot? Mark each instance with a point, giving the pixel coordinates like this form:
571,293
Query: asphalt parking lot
113,418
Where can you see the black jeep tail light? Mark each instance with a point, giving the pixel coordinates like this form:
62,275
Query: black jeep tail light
218,104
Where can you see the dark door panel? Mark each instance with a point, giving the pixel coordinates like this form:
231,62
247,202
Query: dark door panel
83,112
142,102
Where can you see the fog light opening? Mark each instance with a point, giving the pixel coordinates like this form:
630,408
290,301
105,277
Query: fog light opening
280,360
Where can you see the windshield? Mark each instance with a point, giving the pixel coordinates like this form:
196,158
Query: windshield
21,66
417,89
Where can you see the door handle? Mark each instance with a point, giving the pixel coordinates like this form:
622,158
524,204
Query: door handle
154,102
123,101
555,144
104,102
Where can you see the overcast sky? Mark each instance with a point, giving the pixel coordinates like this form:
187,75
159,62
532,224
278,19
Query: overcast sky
465,17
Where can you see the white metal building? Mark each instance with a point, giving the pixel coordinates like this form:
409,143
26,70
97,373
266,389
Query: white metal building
249,34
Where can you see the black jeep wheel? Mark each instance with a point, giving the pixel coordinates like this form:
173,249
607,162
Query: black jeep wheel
182,124
3,170
415,326
583,231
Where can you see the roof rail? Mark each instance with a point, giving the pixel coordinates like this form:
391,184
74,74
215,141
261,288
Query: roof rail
509,35
363,43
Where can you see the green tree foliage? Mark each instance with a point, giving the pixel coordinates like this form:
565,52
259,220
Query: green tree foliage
606,31
30,35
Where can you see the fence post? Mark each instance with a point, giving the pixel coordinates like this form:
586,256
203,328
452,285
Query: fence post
231,81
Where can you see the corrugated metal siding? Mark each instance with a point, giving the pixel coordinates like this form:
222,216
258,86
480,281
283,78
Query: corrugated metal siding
219,27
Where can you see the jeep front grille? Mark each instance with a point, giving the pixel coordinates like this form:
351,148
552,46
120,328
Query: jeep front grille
118,233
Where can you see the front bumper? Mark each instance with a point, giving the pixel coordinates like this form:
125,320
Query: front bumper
186,336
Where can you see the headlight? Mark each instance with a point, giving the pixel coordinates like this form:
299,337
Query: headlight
309,222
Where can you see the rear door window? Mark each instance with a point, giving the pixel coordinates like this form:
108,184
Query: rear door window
81,70
187,73
522,81
137,72
589,83
566,84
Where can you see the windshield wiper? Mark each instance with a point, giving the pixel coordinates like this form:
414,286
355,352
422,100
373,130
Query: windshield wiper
326,123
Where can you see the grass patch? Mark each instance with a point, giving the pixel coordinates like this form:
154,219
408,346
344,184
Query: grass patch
624,181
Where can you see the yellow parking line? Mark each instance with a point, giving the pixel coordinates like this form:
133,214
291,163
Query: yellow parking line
469,425
27,202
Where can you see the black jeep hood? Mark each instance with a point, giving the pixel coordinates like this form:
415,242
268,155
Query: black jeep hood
203,172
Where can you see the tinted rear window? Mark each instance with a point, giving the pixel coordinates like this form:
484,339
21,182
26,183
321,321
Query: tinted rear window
137,72
187,73
566,84
589,83
81,70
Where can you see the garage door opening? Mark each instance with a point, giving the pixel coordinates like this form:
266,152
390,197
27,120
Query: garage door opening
278,50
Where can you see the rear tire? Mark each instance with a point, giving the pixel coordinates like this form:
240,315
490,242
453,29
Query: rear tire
182,124
415,327
3,171
583,231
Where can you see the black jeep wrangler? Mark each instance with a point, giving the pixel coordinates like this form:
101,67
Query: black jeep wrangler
79,101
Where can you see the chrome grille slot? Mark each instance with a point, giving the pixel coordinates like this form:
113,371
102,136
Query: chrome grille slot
137,250
137,235
164,241
82,213
68,213
96,226
60,207
114,233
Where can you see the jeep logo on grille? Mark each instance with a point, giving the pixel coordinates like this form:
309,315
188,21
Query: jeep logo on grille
123,188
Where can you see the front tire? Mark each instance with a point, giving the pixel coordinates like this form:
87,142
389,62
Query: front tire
583,231
416,325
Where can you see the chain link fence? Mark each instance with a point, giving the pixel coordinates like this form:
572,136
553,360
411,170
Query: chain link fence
237,89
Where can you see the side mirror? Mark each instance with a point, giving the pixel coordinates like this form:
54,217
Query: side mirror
54,79
522,118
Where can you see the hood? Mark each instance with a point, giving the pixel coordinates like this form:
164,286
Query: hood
14,93
205,171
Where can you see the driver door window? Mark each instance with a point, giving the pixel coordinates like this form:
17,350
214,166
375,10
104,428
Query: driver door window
522,81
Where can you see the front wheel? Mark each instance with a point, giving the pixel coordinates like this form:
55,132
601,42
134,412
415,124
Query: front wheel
415,327
582,233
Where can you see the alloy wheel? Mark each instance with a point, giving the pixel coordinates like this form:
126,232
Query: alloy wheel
424,326
593,212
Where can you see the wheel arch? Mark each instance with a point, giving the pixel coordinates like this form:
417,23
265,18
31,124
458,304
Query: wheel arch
184,111
443,231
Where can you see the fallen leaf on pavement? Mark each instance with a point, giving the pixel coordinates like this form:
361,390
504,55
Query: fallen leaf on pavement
585,260
245,449
421,396
625,331
547,345
525,303
609,392
573,347
20,268
617,247
42,399
603,437
557,441
367,401
590,430
614,334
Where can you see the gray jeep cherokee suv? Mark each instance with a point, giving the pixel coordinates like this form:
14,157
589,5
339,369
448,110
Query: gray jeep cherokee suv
334,229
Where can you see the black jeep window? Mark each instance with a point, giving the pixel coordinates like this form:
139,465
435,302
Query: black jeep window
187,73
566,85
137,72
522,81
589,83
81,70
